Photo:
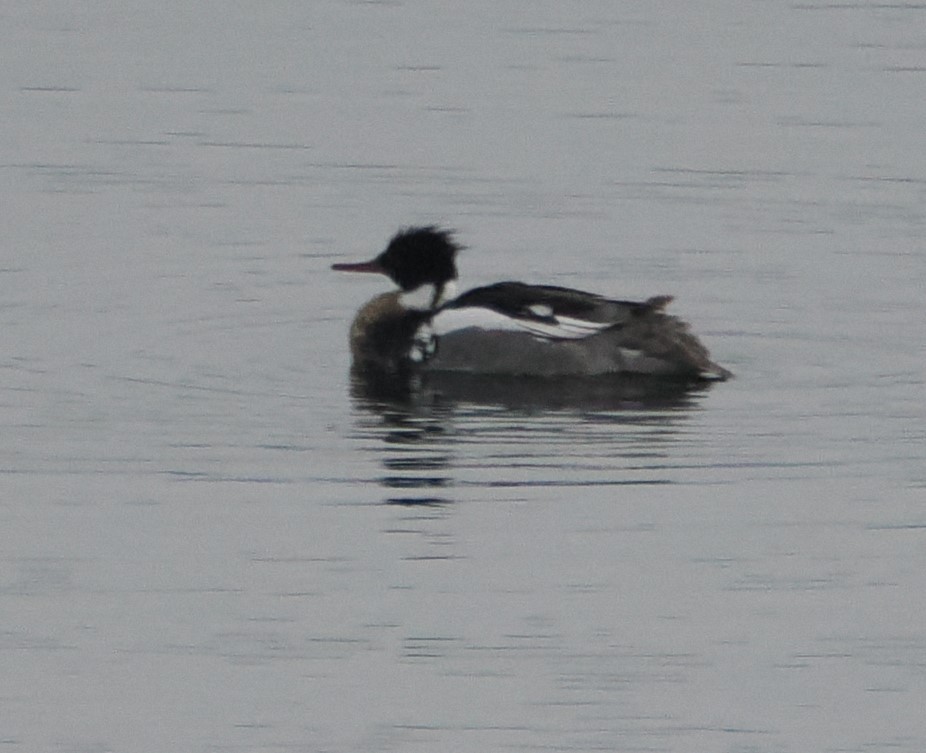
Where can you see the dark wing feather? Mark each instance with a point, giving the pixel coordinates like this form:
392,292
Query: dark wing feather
546,303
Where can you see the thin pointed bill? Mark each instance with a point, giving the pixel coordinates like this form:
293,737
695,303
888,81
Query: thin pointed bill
360,266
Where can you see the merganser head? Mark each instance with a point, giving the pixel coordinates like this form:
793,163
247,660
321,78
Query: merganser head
416,257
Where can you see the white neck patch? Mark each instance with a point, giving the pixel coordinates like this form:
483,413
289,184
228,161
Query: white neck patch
422,298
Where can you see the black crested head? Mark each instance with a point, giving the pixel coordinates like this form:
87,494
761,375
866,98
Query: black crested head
420,255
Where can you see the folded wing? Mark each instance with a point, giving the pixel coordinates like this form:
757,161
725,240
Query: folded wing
544,311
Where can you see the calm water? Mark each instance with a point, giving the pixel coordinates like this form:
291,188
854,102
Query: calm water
211,541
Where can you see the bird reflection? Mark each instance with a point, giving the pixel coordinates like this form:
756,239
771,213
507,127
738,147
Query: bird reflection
410,441
427,431
598,393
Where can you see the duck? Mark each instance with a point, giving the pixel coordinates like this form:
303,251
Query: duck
510,329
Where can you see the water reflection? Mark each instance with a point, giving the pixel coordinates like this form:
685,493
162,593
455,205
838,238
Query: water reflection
525,394
450,436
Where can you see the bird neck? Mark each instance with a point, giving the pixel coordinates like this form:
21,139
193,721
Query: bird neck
427,297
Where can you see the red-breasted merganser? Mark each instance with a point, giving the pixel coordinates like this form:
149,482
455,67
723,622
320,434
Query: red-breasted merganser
510,328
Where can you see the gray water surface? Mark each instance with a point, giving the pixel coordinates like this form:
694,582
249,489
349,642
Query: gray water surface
211,540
